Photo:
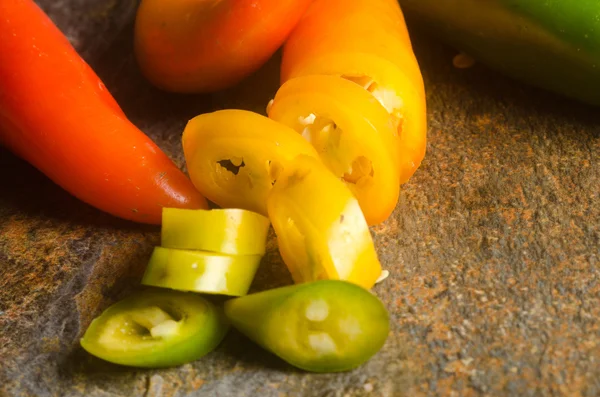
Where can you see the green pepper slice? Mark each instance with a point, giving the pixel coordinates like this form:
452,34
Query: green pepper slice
154,329
228,231
322,326
199,271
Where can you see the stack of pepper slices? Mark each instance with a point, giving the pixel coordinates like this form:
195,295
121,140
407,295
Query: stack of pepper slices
346,128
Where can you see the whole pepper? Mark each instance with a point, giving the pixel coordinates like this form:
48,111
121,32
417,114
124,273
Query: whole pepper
205,46
365,41
57,114
553,44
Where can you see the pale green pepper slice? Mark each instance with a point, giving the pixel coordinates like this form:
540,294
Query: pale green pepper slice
154,329
228,231
322,326
200,271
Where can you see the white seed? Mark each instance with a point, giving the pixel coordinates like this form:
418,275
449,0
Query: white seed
317,310
322,342
383,276
269,106
310,119
164,328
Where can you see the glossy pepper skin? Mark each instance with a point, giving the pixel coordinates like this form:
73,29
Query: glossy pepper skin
56,114
208,45
201,271
321,231
227,231
553,44
323,326
235,156
365,41
352,133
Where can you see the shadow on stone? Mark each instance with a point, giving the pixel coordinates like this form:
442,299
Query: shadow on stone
238,347
24,186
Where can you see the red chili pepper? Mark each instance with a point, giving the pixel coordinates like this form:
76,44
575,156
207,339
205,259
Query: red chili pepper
57,114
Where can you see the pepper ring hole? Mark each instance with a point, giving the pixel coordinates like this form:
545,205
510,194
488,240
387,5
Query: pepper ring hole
360,168
233,164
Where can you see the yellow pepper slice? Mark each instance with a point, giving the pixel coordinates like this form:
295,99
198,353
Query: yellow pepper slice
199,271
229,231
352,133
321,231
235,156
365,41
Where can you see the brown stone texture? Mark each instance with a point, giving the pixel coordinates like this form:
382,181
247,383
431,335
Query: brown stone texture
493,250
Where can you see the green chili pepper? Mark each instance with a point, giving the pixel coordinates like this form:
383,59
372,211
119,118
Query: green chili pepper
200,271
158,328
228,231
321,326
554,44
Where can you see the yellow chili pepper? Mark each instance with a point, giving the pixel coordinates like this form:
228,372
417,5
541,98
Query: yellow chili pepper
321,231
365,41
352,133
235,156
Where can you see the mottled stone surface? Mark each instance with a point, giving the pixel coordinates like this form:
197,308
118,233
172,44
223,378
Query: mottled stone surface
493,252
90,25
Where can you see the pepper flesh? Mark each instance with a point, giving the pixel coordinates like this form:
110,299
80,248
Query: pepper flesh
352,133
323,326
367,42
321,231
199,271
228,231
235,156
56,114
550,44
156,328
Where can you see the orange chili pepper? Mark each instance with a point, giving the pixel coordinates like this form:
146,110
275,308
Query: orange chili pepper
204,46
56,114
365,41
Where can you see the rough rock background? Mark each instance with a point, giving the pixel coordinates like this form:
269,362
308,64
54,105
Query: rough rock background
493,248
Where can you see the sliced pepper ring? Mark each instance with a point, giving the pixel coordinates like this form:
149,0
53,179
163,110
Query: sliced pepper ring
323,326
375,52
235,156
352,133
325,237
199,271
154,329
399,91
228,231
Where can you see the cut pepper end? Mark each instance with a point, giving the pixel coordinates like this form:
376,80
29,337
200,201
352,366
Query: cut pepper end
328,326
386,96
399,89
352,134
